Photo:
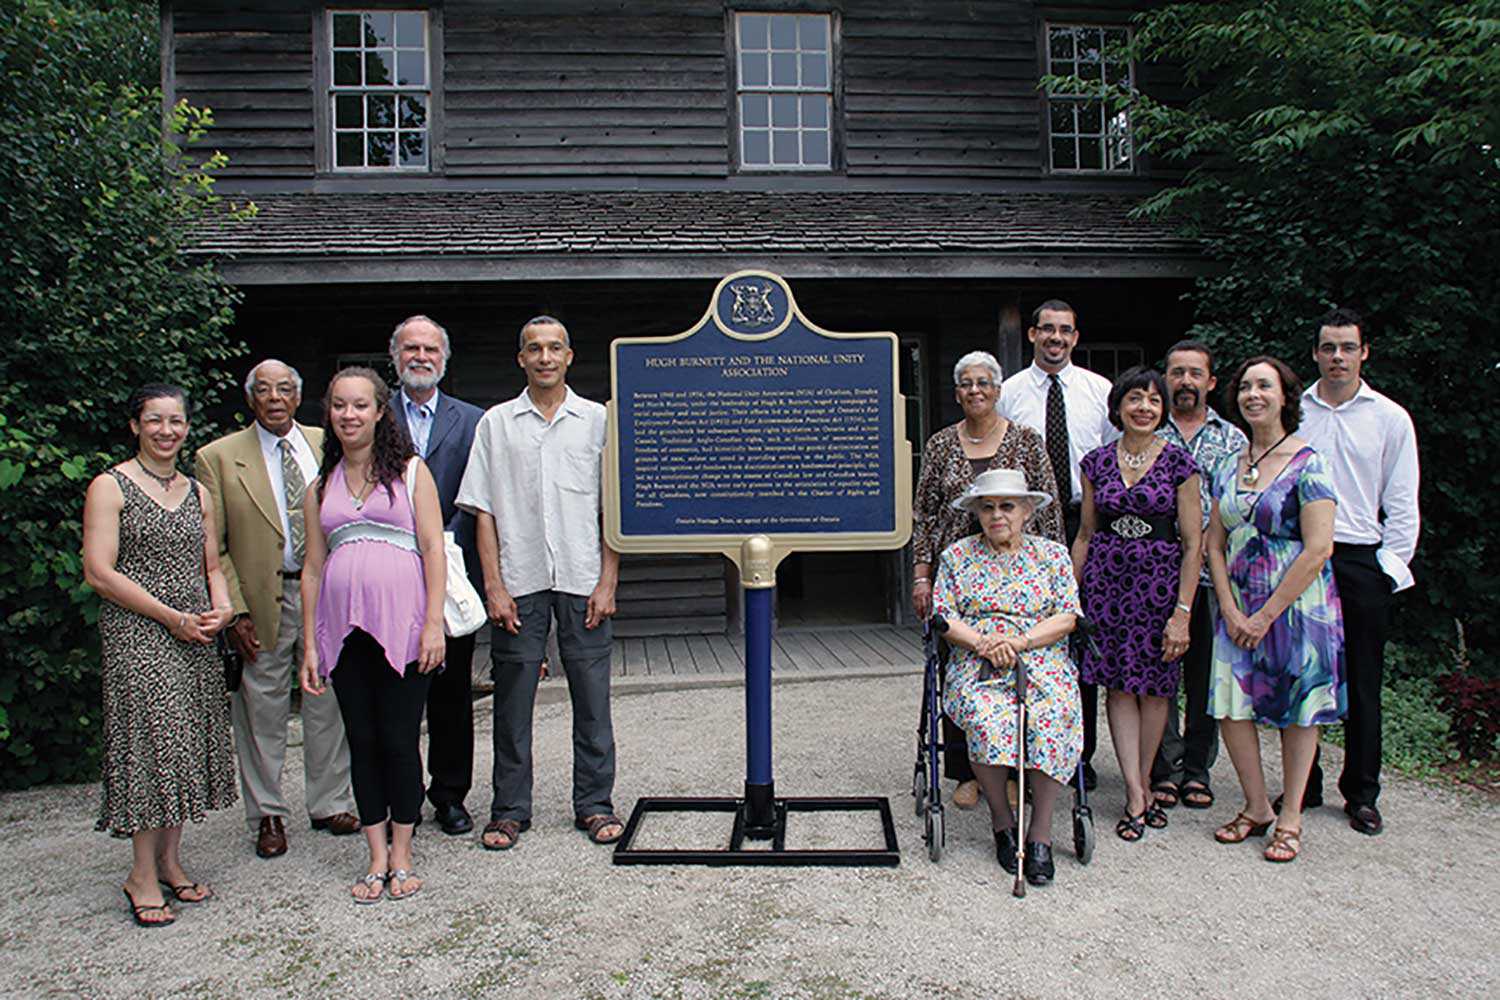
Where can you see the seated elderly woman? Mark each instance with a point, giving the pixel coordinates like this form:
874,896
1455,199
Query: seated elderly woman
1010,596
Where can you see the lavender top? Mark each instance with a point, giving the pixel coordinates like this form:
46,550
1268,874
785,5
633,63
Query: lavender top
370,585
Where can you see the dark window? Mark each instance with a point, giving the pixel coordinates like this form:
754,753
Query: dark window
1083,135
784,86
380,89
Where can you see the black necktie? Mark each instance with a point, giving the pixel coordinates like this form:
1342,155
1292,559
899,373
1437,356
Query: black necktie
1057,439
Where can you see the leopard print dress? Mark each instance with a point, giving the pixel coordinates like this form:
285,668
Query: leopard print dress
167,749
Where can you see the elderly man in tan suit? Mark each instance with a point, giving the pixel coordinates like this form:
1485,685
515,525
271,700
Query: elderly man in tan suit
257,478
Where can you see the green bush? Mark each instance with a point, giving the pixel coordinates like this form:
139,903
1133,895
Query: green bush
95,299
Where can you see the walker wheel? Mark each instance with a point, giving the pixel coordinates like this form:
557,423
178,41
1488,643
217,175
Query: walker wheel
919,786
1083,834
934,834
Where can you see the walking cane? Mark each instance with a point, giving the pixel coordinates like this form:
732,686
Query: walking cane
1019,889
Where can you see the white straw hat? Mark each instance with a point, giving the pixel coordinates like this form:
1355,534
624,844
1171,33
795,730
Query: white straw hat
1001,483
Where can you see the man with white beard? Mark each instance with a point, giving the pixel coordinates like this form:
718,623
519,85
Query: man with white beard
442,431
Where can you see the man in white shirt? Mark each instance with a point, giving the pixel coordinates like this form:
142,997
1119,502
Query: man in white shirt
256,478
1069,407
533,483
1370,447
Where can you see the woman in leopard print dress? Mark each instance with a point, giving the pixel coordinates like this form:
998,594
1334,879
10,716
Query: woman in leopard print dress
149,551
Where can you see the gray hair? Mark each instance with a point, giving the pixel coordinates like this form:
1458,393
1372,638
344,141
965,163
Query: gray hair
394,349
542,320
982,359
250,377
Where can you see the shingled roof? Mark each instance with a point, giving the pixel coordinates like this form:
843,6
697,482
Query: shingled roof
474,235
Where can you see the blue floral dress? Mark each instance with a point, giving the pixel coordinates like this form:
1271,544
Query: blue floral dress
1295,676
1006,594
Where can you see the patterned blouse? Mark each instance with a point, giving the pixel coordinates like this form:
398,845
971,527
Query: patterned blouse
947,473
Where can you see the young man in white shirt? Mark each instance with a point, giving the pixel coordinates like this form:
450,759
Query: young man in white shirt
533,484
1069,407
1370,447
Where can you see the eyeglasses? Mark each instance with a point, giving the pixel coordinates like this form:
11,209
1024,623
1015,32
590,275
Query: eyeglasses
1049,330
264,390
983,383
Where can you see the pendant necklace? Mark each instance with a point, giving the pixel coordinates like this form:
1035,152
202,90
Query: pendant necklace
366,488
165,482
1252,468
984,437
1133,459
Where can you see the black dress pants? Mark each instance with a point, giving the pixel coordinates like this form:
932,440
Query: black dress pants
450,725
382,713
1366,600
1188,750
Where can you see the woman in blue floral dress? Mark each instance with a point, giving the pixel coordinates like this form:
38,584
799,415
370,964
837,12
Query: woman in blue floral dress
1279,646
1006,596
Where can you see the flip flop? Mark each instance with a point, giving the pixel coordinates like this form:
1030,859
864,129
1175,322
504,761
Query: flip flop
372,879
178,890
136,910
400,875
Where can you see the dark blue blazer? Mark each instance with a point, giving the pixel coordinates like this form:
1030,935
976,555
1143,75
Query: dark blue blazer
448,448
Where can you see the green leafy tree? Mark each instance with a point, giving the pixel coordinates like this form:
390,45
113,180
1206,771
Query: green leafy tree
95,299
1344,152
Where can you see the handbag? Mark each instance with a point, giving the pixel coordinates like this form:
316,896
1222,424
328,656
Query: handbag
232,662
463,609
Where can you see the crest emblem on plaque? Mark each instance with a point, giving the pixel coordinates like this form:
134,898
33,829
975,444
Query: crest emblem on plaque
752,304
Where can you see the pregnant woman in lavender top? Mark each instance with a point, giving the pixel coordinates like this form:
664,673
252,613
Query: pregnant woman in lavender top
372,604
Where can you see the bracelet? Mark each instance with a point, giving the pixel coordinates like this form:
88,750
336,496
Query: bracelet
920,579
1184,607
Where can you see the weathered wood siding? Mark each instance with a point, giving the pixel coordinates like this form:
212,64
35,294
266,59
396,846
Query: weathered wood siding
609,88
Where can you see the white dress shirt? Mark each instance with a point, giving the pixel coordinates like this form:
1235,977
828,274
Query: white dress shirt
540,481
419,419
1023,399
270,449
1371,450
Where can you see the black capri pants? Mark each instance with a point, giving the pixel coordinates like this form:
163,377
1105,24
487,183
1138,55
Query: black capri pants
382,713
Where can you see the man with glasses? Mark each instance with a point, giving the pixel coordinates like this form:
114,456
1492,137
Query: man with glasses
257,478
1370,447
1069,407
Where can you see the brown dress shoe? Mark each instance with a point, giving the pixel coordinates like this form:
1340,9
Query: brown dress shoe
339,824
271,841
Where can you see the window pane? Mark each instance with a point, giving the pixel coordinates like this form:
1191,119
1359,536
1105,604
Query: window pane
755,110
349,150
784,110
1060,45
815,70
1089,65
1090,154
346,30
815,147
1115,40
377,69
783,31
411,68
1060,117
346,69
813,30
1091,118
1063,157
757,149
783,69
413,149
784,147
753,31
378,30
409,30
348,111
380,110
413,110
815,111
381,148
753,71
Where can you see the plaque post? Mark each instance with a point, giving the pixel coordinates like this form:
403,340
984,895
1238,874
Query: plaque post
760,788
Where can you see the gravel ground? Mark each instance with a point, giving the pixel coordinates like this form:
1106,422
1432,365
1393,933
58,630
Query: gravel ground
1411,913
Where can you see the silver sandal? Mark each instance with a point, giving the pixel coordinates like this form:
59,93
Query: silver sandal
374,878
401,875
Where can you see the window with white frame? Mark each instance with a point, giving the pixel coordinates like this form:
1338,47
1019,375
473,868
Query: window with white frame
1083,135
784,84
380,89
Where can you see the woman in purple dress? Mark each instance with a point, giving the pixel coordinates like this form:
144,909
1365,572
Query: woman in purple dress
372,609
1137,558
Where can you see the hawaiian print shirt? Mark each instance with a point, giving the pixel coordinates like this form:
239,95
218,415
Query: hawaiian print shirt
1215,441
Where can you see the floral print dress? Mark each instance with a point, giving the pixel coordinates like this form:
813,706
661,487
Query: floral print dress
1006,594
1295,676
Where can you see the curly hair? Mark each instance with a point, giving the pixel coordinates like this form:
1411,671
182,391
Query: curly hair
392,447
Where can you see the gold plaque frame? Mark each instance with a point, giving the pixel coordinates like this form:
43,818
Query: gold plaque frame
757,565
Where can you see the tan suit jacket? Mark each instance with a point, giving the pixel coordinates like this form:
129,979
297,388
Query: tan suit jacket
233,469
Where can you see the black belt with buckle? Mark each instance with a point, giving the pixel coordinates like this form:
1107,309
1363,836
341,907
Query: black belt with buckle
1154,528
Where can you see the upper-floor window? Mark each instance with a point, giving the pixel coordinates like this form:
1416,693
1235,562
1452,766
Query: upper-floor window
784,84
380,88
1083,134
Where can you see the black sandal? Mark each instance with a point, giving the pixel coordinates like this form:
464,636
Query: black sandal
1167,794
1197,797
1135,826
1155,816
136,910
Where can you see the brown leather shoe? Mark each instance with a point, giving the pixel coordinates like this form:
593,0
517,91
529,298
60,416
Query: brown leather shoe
339,824
271,841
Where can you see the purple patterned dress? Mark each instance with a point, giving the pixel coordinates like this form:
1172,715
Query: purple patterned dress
1130,584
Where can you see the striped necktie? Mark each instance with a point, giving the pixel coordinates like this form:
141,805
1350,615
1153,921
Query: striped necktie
294,486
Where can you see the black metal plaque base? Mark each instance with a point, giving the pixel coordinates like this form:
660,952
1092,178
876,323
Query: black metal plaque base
887,857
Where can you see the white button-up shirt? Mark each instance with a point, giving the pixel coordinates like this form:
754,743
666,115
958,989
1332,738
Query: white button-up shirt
1023,400
270,449
540,481
1370,447
419,419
